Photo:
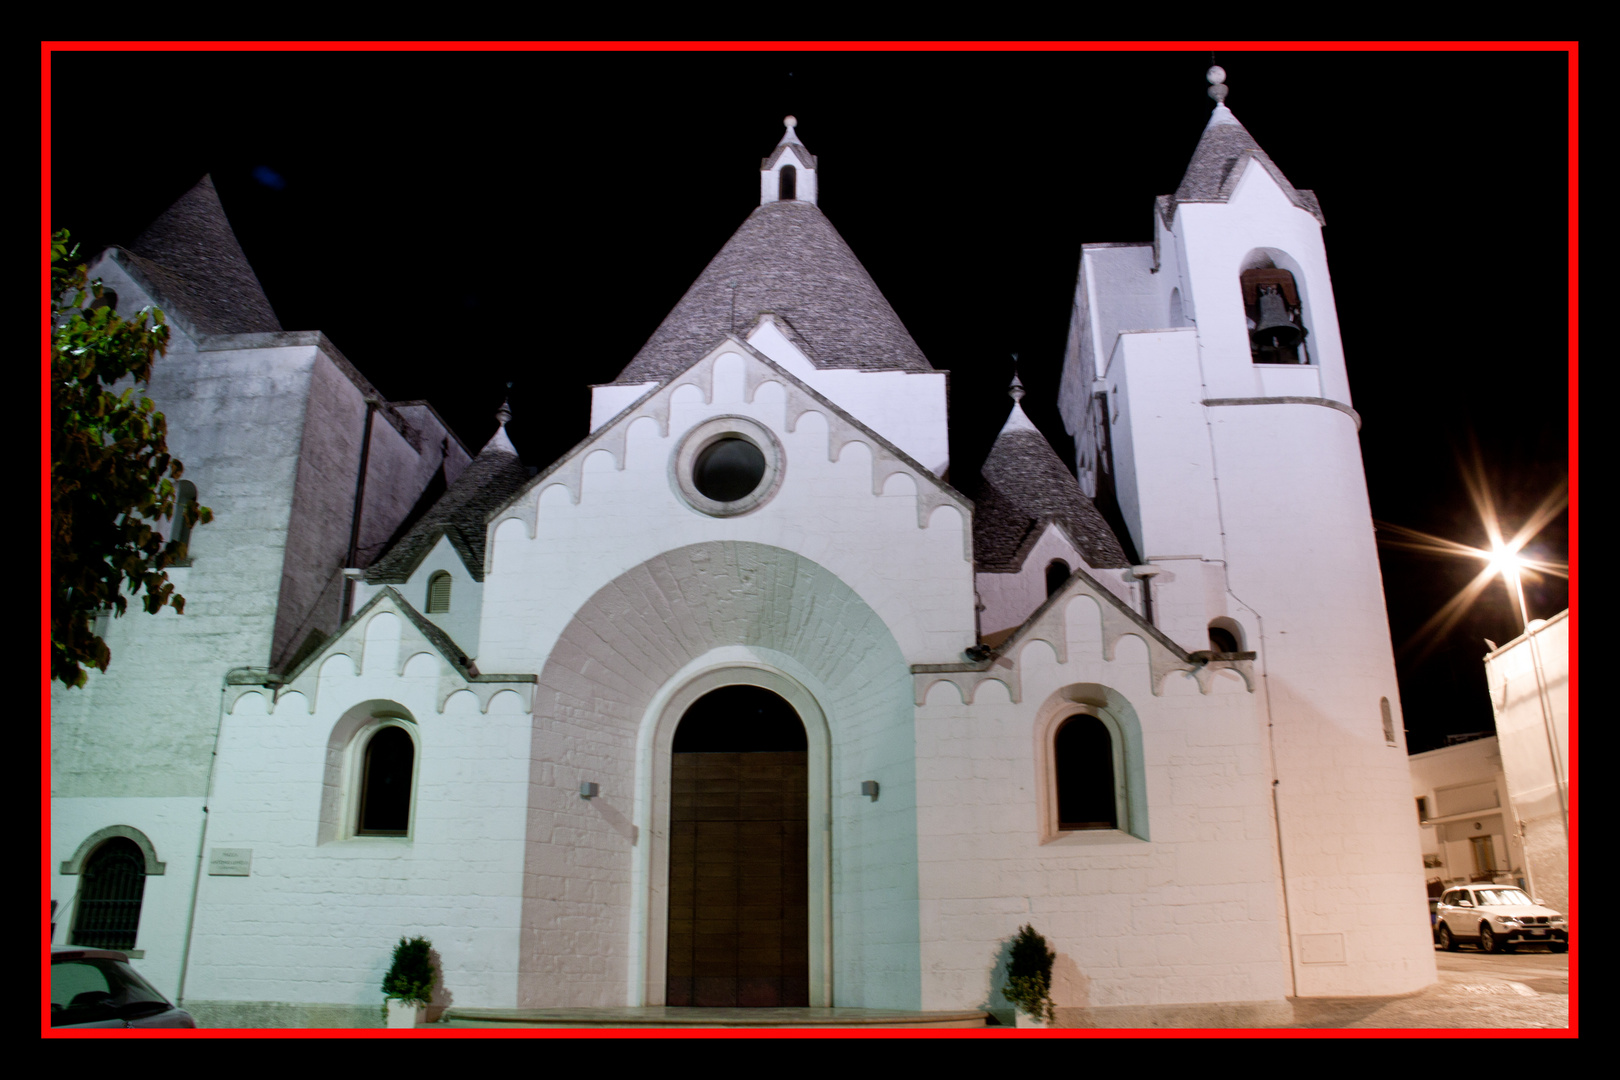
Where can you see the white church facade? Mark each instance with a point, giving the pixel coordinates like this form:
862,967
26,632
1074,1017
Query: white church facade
826,732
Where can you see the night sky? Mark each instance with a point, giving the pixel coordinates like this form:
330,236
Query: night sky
455,222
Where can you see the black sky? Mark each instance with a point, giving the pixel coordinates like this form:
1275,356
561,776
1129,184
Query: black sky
458,221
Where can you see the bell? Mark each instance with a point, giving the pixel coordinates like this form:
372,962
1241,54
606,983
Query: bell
1276,328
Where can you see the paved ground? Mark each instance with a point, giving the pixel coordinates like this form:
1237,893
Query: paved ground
1525,989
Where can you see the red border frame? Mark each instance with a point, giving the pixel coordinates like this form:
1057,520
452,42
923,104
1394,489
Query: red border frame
1571,48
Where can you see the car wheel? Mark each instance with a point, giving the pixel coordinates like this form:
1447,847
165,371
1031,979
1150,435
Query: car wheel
1488,941
1447,942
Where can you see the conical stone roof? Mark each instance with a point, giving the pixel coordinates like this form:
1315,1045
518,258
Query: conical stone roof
788,259
459,514
1218,163
1023,485
192,256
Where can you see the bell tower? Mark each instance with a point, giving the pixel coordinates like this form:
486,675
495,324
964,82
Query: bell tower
1205,381
789,174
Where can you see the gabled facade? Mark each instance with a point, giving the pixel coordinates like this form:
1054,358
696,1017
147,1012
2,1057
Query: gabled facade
740,702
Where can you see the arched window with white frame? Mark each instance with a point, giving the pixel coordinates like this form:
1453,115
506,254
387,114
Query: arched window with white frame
1089,757
373,758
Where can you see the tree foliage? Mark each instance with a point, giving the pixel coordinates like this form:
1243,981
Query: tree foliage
112,477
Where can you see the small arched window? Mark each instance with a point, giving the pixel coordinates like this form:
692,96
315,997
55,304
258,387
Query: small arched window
438,593
386,779
185,497
108,909
1225,635
1083,756
787,182
1057,572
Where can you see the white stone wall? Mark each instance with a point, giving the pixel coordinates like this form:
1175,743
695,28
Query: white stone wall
317,918
1189,915
551,553
172,825
466,595
1276,494
1466,794
907,408
1009,599
135,745
1164,468
1532,772
1190,593
1300,552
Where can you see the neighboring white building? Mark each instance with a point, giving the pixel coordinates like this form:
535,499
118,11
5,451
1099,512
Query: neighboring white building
1469,832
1529,684
739,700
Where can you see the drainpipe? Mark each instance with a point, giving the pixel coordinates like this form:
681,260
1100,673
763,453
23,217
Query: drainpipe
354,518
202,844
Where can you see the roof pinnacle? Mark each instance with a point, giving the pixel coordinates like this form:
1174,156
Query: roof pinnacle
790,136
500,442
1017,419
1217,84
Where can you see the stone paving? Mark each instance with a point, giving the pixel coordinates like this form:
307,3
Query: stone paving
1525,990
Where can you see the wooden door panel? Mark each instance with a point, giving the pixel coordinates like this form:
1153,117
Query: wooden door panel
738,900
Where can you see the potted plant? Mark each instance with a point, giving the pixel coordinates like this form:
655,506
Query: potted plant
1029,979
408,986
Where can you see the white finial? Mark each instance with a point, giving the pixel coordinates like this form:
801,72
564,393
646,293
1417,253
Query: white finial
789,122
1016,390
503,415
1217,84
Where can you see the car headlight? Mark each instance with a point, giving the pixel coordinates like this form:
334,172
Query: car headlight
1509,921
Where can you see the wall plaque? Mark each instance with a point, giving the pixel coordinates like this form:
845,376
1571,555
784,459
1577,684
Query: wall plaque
229,861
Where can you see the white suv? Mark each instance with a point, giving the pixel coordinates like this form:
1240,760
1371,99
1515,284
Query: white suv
1497,917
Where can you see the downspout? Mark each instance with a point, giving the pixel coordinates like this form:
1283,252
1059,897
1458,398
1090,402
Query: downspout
354,518
202,844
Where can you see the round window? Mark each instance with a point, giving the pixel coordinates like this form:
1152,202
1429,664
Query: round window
729,469
727,466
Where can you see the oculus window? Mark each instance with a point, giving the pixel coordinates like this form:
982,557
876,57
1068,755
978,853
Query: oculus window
727,466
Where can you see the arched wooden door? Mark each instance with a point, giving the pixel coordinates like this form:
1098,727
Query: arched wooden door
738,853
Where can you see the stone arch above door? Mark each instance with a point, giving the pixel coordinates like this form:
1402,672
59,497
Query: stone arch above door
626,653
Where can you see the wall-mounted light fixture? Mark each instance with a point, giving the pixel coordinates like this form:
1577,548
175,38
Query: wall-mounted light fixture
870,787
589,790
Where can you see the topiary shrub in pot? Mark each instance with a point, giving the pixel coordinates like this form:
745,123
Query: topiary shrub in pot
408,986
1029,978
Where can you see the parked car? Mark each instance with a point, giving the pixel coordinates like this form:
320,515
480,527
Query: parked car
98,988
1497,918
